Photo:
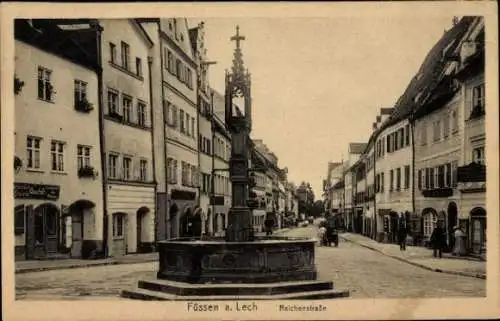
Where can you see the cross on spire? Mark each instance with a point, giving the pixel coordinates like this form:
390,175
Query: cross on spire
237,37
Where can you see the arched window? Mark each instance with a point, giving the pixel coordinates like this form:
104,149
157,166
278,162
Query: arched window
430,221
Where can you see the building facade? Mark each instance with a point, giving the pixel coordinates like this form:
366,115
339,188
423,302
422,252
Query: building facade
352,218
58,193
471,175
128,138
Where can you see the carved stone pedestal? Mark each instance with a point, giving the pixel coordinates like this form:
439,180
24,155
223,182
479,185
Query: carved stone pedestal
266,269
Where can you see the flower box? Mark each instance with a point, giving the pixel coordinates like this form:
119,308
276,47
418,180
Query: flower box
116,116
83,106
87,171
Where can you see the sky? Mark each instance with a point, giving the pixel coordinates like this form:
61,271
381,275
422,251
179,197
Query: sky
318,83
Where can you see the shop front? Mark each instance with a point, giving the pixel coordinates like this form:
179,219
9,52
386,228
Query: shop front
45,228
181,206
130,222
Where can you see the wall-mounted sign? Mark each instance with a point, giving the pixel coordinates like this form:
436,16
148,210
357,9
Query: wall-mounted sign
36,191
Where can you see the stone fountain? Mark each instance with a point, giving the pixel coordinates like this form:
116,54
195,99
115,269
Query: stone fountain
241,266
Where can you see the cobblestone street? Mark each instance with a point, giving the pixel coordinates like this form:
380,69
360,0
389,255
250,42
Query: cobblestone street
367,274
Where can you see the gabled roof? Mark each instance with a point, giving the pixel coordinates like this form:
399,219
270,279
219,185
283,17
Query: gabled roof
426,77
356,148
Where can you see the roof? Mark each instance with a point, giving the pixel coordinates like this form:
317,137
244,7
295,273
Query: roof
426,76
78,46
386,111
356,148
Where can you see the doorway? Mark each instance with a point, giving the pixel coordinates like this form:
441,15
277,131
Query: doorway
46,227
478,230
452,222
141,213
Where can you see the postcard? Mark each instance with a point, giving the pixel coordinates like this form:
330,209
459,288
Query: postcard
257,161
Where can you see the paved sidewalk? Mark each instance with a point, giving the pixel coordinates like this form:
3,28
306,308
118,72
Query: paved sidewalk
422,257
45,265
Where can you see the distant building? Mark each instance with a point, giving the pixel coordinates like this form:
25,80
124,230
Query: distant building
353,220
58,194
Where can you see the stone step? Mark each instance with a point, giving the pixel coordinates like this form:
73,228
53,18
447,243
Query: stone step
148,295
181,288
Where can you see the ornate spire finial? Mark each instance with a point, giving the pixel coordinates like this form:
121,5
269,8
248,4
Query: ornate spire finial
238,69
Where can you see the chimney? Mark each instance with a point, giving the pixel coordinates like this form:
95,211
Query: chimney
374,126
455,20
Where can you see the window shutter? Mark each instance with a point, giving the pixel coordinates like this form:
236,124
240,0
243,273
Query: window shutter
19,220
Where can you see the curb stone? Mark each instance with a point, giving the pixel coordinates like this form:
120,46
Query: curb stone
77,266
474,275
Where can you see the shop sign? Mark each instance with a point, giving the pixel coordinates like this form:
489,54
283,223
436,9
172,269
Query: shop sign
36,191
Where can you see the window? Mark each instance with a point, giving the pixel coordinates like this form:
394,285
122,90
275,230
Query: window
184,174
430,221
112,102
391,180
181,121
83,156
127,109
454,122
112,52
118,223
80,91
478,155
138,66
382,182
194,176
441,176
172,170
171,63
141,114
57,156
448,175
127,162
178,68
398,179
143,170
407,176
33,152
402,138
209,149
432,178
419,179
188,125
112,166
454,166
446,126
407,135
45,88
189,78
478,96
125,56
192,127
423,135
437,130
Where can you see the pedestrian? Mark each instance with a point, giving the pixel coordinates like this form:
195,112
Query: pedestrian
402,233
459,246
322,234
438,240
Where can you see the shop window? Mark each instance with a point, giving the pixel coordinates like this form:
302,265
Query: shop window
19,219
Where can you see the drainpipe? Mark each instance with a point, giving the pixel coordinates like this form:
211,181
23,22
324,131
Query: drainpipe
412,128
151,111
212,178
164,141
99,29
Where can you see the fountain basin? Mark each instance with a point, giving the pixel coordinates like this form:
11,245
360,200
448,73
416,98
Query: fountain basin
265,260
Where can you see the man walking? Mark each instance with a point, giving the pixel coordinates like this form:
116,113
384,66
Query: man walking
402,233
438,240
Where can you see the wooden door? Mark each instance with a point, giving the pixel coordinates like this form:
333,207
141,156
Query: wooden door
30,233
51,223
76,235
